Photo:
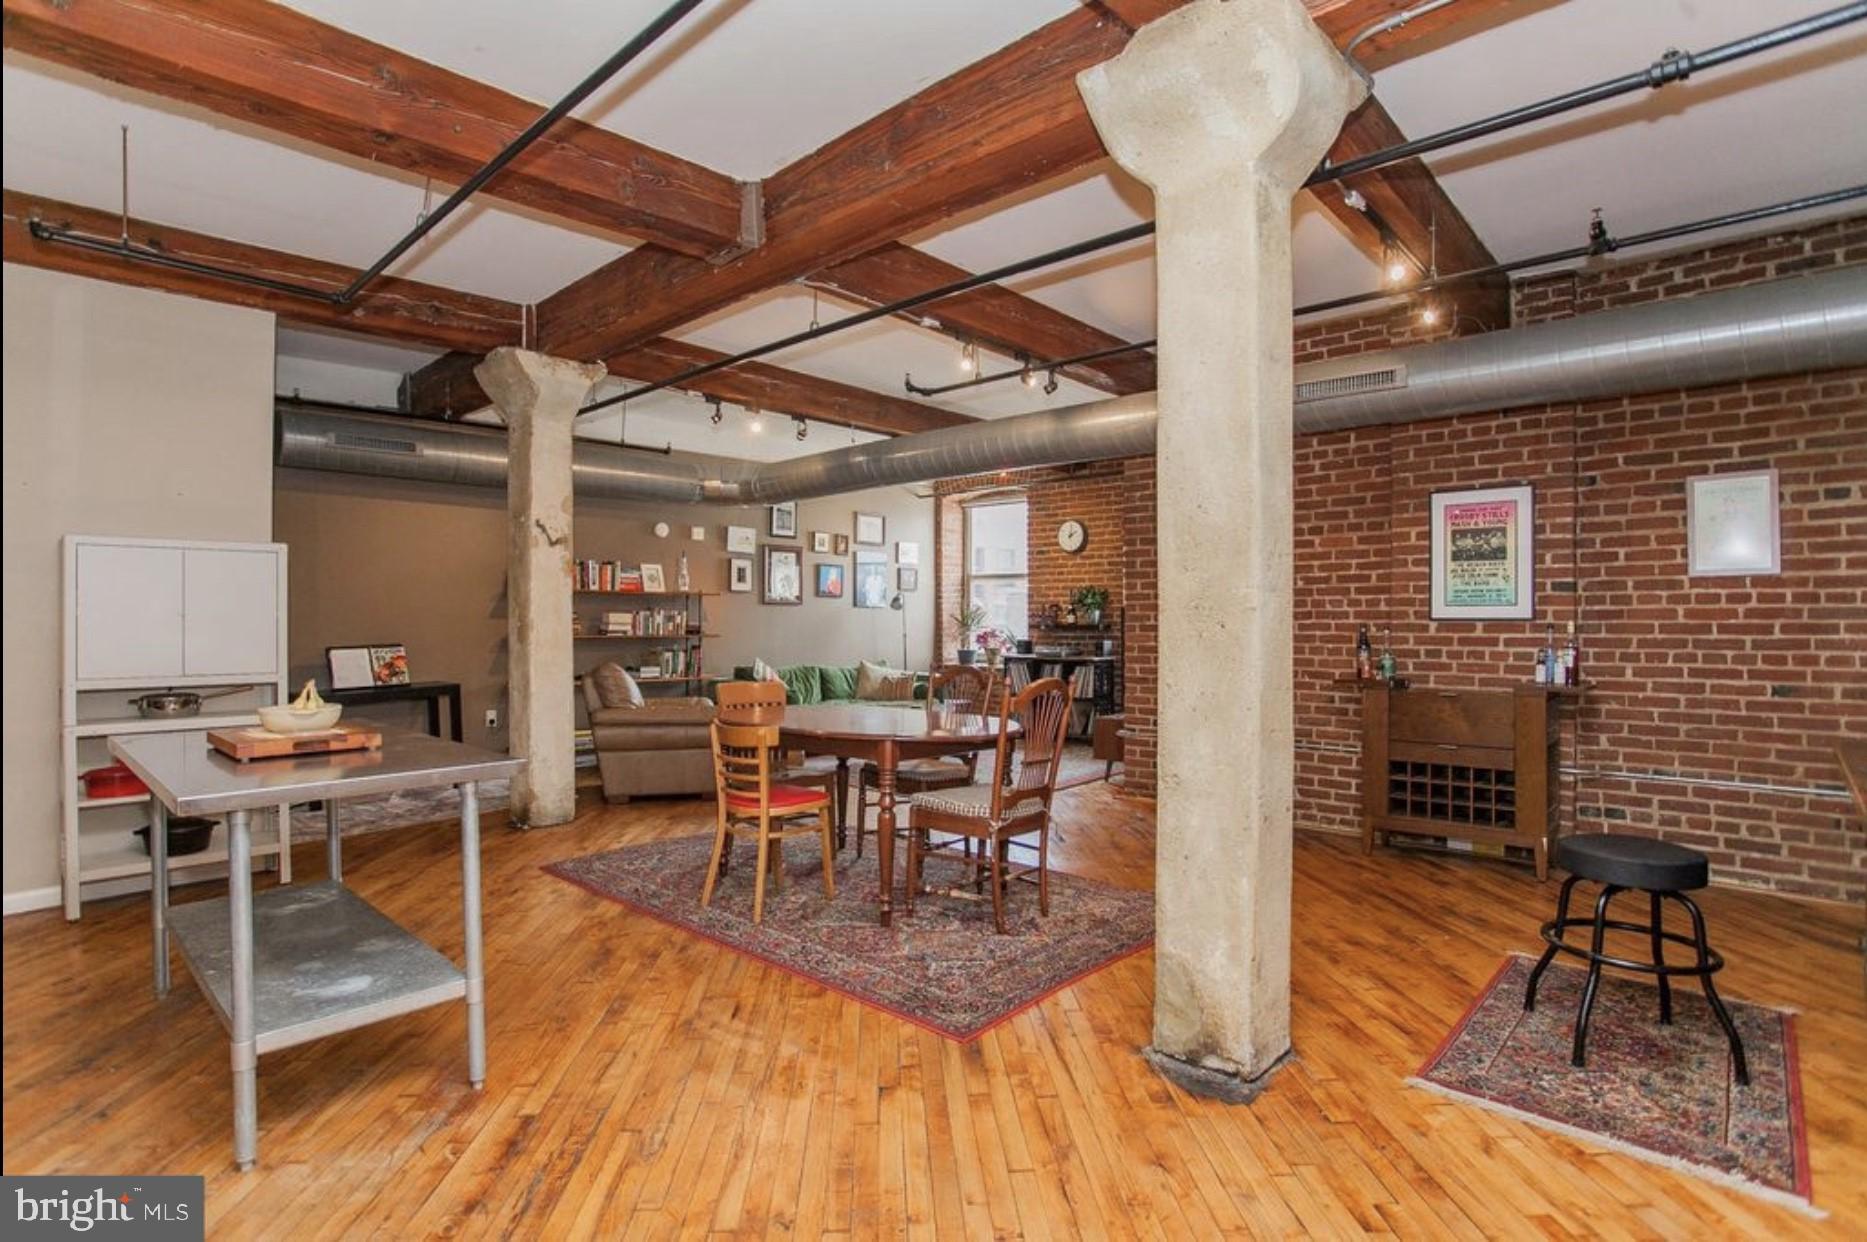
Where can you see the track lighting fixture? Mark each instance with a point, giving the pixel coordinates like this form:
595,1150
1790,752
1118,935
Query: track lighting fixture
1029,378
1429,315
1050,384
968,358
756,421
718,413
803,428
1353,200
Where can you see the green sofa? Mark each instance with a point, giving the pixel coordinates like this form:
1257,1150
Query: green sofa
806,684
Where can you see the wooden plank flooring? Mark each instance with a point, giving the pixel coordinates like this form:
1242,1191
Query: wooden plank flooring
645,1083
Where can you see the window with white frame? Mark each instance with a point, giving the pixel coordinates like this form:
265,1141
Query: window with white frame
997,564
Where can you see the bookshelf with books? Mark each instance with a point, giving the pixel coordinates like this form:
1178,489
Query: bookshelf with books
657,635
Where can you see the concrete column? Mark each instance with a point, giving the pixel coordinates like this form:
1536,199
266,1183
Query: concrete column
1223,107
539,396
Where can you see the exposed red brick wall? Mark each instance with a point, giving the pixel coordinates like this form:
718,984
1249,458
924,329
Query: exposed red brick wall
1739,680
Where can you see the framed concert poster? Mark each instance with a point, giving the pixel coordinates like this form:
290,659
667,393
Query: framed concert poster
1484,554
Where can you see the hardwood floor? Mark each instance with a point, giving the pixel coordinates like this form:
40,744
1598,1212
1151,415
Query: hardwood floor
643,1082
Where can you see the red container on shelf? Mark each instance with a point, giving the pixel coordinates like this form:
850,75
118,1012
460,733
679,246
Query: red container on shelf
114,781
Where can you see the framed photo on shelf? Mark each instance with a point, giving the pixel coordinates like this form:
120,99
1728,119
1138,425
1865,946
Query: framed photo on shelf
1733,525
654,581
784,520
830,580
907,578
1483,554
739,574
820,542
907,553
841,545
871,529
871,579
742,539
350,667
784,574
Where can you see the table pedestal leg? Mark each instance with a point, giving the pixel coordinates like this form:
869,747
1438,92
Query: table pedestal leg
245,1058
333,841
159,889
885,826
470,913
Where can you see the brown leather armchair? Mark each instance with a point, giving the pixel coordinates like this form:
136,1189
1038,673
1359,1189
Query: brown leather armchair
647,746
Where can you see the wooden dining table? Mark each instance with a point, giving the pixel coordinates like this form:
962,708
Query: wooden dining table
884,735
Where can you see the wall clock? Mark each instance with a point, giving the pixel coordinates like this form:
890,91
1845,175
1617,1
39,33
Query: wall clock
1072,536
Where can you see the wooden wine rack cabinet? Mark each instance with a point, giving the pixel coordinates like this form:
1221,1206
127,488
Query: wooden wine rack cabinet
1459,765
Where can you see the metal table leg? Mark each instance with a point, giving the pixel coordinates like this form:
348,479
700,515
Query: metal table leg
333,842
470,913
159,889
245,1058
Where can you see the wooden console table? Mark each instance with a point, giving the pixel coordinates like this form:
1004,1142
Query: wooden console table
1461,765
428,692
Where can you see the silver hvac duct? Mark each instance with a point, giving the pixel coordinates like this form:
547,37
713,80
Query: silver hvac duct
1809,323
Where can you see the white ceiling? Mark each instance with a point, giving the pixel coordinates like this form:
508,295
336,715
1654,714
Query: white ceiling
746,86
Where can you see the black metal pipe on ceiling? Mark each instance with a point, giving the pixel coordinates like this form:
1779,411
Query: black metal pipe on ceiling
1673,66
123,249
1651,237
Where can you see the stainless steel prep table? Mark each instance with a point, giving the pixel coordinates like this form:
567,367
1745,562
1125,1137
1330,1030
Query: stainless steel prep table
324,960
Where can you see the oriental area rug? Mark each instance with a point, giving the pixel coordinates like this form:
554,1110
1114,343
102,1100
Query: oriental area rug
1665,1094
943,968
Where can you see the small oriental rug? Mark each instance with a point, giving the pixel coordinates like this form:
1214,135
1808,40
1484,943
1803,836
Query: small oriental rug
1661,1093
943,968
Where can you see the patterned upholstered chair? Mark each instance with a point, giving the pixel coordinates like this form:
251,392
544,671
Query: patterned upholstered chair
1015,804
966,688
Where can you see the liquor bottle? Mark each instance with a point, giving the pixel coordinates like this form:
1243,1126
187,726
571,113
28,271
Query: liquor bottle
1572,658
1551,673
1542,666
1388,665
1364,655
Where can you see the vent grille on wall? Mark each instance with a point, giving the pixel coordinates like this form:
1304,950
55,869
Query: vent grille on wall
1354,382
374,444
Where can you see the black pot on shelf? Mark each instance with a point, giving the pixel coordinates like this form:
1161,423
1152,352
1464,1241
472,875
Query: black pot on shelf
188,834
967,655
1023,646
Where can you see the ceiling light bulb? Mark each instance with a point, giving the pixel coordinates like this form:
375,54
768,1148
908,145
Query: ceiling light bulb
756,425
1429,316
1396,272
1030,378
967,362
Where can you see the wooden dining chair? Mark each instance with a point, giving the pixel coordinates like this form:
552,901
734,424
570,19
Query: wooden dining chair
1015,804
966,688
763,702
752,804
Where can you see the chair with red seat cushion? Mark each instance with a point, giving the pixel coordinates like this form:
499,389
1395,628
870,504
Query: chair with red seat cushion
751,805
763,702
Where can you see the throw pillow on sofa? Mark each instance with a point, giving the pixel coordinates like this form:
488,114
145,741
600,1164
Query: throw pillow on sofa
877,683
839,681
762,671
801,685
614,686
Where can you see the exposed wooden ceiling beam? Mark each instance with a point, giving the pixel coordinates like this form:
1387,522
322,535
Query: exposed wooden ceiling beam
446,388
1004,122
1422,219
270,66
993,316
1009,120
391,308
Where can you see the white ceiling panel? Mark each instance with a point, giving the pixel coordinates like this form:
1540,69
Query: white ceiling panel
742,86
190,170
1777,126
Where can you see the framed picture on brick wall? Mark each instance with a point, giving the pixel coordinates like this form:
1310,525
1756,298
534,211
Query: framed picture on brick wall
1484,554
1733,525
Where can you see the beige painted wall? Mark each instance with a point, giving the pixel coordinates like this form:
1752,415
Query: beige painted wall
127,412
423,564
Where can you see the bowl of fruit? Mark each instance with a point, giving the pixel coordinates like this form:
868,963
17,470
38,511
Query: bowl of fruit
308,713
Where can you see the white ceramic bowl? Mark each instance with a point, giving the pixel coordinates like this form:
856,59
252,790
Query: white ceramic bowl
288,720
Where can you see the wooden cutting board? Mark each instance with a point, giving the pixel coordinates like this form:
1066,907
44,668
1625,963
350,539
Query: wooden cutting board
257,743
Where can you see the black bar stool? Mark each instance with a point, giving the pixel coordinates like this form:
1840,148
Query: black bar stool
1661,870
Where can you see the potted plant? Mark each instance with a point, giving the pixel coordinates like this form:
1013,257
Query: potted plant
969,618
1089,602
995,643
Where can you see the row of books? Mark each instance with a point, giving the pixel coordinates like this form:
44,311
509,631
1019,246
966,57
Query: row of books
616,576
669,662
646,623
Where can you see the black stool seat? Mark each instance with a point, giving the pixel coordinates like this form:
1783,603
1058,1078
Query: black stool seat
1633,862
